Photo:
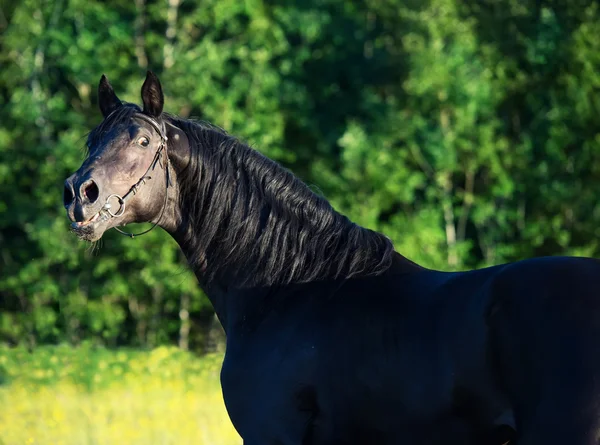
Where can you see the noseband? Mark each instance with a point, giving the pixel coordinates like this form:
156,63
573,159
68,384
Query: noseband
161,157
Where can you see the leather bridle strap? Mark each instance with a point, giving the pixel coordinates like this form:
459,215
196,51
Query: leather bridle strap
161,157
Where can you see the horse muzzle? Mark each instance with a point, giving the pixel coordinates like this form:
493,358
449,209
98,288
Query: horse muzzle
81,198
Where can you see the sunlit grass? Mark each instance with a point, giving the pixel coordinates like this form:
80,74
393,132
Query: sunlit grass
86,396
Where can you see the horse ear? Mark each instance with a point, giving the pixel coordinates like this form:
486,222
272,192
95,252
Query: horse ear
152,95
107,99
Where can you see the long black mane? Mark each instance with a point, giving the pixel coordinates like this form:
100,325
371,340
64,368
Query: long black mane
254,221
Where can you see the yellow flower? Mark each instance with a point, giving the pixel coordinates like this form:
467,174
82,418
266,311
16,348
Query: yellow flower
180,402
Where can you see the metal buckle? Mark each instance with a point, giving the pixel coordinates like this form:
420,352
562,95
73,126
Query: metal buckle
121,210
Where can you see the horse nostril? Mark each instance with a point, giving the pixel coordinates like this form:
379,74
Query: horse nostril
91,191
68,196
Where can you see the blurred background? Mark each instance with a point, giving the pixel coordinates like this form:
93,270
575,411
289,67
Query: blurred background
466,130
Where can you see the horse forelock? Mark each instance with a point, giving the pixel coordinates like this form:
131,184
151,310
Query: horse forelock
118,118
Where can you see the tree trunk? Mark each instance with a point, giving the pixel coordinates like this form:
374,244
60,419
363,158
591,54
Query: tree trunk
156,311
448,209
184,325
447,206
140,322
170,33
215,341
140,41
467,203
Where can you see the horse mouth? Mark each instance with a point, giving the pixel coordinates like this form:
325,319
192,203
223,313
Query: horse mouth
85,223
86,230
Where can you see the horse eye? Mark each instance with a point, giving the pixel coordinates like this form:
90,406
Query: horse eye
143,141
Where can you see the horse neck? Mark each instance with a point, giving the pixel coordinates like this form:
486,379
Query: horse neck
188,231
241,310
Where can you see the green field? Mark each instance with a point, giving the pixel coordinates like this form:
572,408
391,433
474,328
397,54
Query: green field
80,396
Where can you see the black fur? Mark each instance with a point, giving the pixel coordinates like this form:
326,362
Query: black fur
256,223
152,96
107,99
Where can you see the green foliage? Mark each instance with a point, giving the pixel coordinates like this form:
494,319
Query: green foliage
91,368
464,130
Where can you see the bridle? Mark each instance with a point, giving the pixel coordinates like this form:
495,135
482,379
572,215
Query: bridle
161,157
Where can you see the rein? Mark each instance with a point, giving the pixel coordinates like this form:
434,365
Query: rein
161,152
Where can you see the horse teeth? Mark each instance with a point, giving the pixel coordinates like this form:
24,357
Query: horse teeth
85,223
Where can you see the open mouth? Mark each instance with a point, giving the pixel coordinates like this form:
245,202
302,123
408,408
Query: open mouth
101,216
89,230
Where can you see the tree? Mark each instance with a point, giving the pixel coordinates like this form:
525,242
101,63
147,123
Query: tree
464,130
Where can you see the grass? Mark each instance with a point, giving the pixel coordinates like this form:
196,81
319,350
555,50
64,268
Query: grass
89,396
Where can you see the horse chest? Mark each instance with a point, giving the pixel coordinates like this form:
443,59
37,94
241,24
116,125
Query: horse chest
268,390
273,394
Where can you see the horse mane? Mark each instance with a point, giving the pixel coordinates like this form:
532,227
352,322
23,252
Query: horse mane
256,224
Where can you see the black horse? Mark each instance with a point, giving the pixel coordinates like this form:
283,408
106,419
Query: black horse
332,336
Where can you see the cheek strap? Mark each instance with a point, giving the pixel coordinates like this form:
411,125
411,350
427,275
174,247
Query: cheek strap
161,158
